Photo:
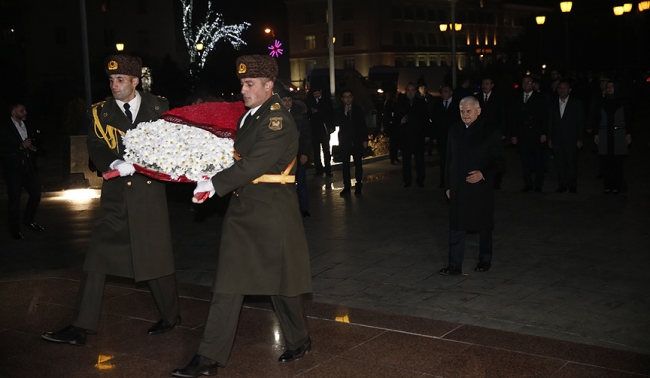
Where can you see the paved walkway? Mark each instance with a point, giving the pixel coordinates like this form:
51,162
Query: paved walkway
566,295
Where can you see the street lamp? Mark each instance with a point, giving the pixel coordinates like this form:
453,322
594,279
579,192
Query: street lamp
627,7
565,6
119,46
540,21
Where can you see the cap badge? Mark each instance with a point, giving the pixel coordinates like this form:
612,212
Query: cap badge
242,68
112,65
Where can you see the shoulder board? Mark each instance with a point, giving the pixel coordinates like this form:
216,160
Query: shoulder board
97,104
161,97
275,106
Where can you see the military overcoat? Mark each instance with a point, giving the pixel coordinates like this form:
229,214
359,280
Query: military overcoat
131,235
263,248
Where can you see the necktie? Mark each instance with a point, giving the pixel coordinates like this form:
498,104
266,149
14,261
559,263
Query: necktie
446,103
247,120
526,97
486,97
127,112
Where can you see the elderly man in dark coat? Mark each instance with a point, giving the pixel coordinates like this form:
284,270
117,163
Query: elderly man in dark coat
263,247
131,235
474,157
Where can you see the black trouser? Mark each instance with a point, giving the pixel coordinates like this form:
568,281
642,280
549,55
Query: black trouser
357,155
413,146
566,163
221,325
457,247
614,166
321,138
16,181
532,161
442,154
91,291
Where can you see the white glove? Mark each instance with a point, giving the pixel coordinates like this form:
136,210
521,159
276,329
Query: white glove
126,169
205,186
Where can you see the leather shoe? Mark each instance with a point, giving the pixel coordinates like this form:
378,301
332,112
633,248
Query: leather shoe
345,192
163,326
305,214
292,355
70,334
357,189
405,185
17,235
199,365
34,226
482,266
561,189
451,271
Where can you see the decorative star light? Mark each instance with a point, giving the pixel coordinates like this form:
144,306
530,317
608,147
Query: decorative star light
276,51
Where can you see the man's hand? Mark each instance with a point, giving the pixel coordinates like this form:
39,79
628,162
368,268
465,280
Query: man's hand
365,145
550,143
596,139
542,138
474,176
27,143
204,190
513,140
447,193
125,169
579,144
628,139
427,139
303,159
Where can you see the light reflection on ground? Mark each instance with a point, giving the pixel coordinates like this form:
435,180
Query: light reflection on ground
78,195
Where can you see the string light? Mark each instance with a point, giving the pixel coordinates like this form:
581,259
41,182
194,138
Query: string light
211,31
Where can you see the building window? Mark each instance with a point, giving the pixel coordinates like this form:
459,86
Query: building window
422,60
143,38
422,39
309,18
109,37
443,61
348,63
432,60
399,61
396,12
310,42
141,6
409,39
106,6
310,65
61,36
397,38
410,61
408,13
348,14
348,39
420,14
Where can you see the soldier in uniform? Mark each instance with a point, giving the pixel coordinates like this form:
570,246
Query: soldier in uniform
131,235
263,247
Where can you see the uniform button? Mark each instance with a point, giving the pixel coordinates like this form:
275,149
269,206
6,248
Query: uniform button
128,183
235,193
148,182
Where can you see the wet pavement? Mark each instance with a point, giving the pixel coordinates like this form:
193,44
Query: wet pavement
566,295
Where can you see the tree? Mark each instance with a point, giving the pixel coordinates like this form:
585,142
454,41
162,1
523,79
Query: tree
208,33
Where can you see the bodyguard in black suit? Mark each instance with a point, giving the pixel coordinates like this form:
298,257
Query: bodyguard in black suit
493,110
445,113
566,133
353,139
321,111
529,125
18,147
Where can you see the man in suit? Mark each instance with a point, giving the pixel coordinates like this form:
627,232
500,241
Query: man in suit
445,114
263,248
353,139
131,236
412,119
19,170
474,156
566,133
299,112
529,125
493,113
321,111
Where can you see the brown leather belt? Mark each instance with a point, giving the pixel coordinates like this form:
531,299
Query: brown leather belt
282,178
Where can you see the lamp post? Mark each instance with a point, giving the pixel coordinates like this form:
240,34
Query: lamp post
119,46
454,65
540,20
565,7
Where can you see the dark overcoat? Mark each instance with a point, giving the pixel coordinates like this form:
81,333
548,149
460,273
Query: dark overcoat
131,235
263,247
568,129
529,120
477,148
15,159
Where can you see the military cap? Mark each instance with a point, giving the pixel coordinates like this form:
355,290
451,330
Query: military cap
257,66
123,65
284,93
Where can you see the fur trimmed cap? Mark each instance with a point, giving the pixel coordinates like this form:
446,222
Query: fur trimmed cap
123,65
257,66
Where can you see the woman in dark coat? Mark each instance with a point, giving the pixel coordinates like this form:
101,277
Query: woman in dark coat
613,137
